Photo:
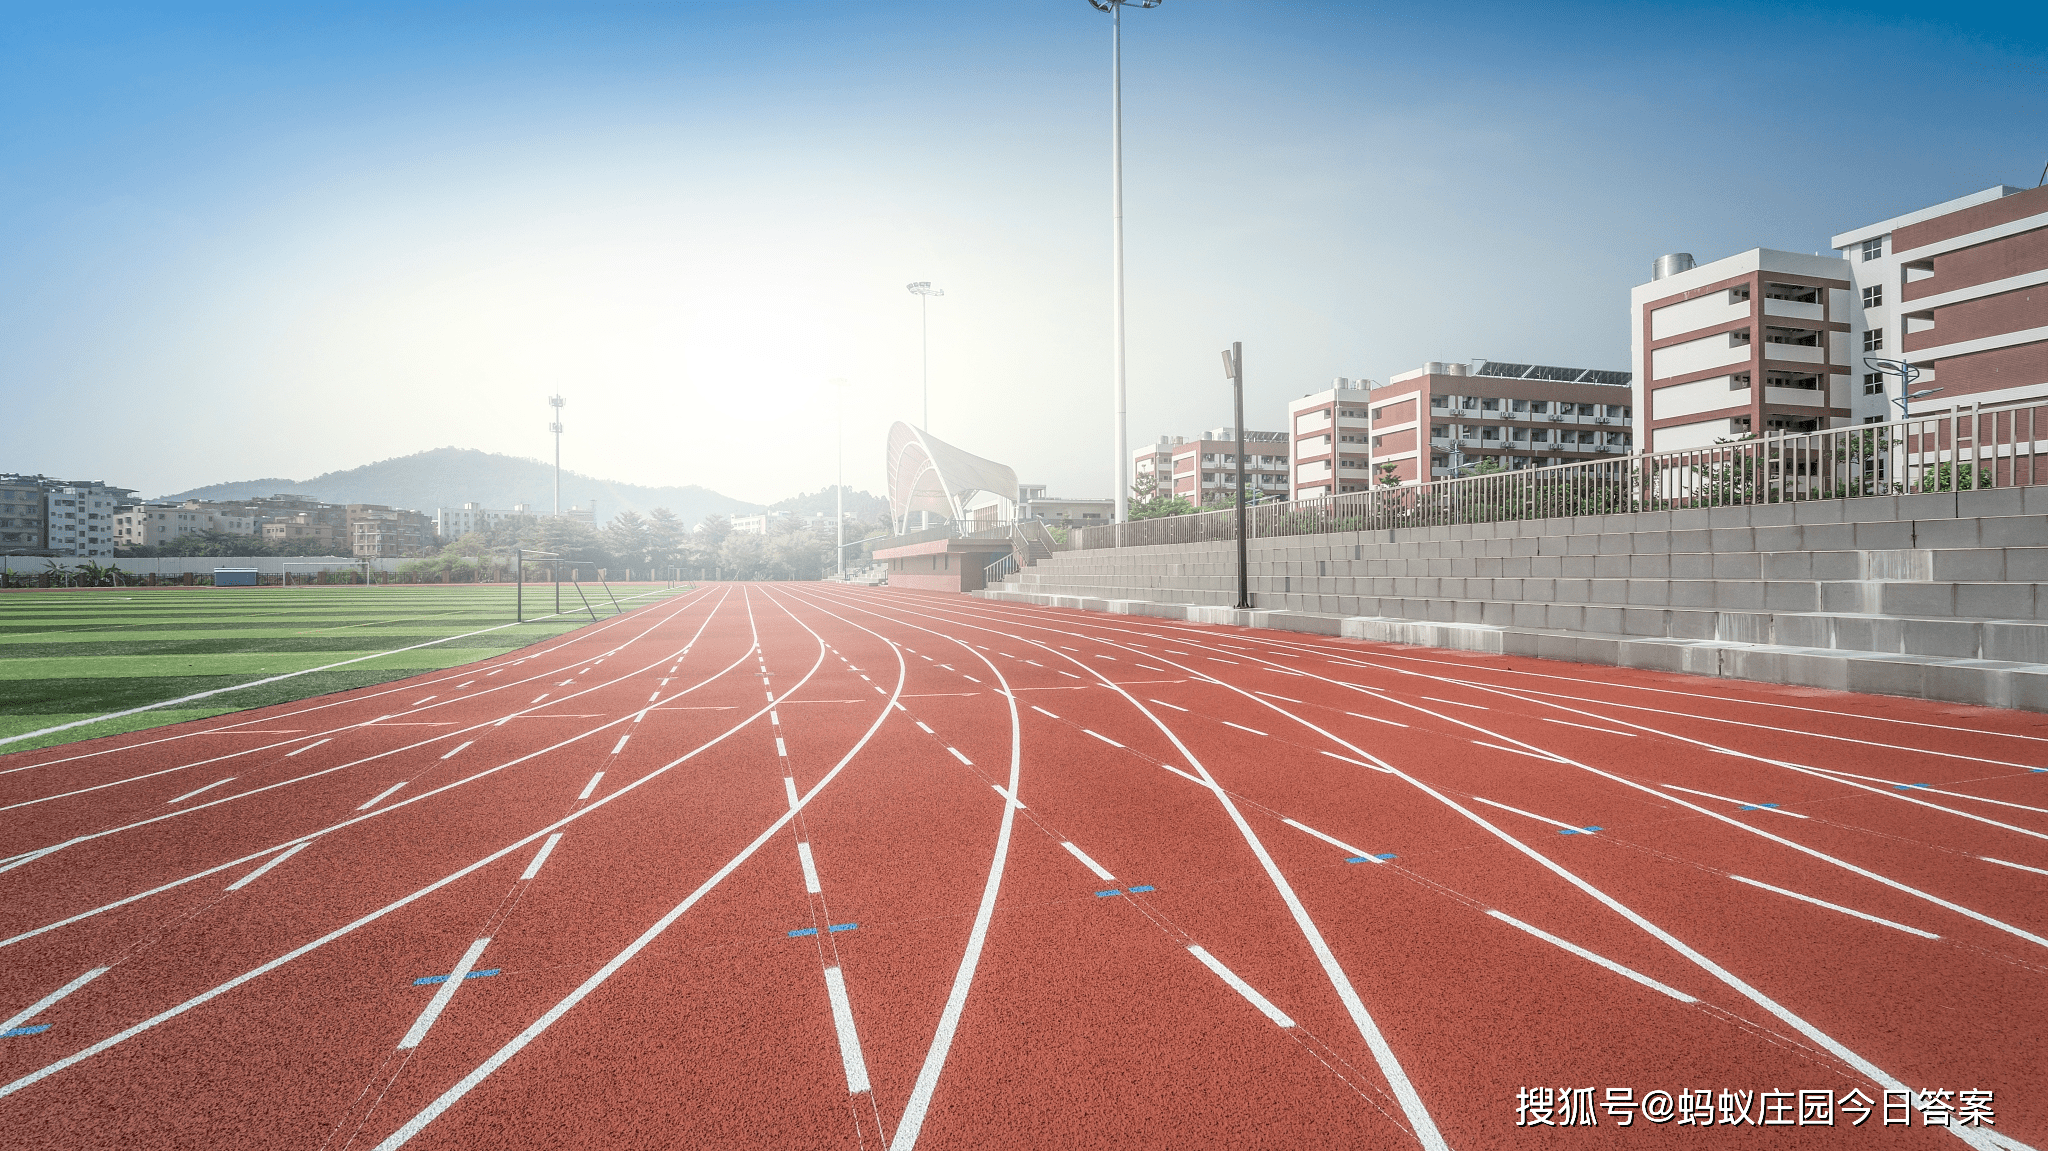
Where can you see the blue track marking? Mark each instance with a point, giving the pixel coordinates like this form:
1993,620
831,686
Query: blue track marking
1908,786
426,979
1107,894
38,1028
1577,830
842,927
1142,887
803,931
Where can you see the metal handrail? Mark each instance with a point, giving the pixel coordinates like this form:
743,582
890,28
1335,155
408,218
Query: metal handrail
997,570
1974,447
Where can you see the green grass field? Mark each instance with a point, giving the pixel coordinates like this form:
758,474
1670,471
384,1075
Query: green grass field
73,654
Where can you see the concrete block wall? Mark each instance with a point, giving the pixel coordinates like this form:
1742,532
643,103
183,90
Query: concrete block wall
1891,594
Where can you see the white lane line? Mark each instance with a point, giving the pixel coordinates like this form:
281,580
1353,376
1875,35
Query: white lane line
308,747
965,676
460,686
589,787
1534,816
2021,866
657,695
1163,703
540,857
1196,779
1006,795
382,795
1103,738
1250,993
1897,786
1332,840
1836,907
1241,727
458,748
253,876
1070,675
1088,863
921,727
1589,956
789,786
1455,703
46,1001
541,696
842,1022
1590,727
961,758
197,790
781,748
803,854
417,702
1214,659
1517,751
1375,719
1358,762
1043,712
443,994
1771,807
1270,695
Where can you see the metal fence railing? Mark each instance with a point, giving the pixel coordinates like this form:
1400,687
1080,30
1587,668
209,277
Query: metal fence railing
1973,447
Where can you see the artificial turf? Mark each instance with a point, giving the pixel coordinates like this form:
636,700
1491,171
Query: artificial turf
70,654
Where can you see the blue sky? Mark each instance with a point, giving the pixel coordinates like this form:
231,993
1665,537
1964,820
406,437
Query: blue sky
254,240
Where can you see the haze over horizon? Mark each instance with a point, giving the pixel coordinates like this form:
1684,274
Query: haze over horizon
254,241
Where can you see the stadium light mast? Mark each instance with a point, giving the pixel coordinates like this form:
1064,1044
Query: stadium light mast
555,426
1121,437
839,487
924,292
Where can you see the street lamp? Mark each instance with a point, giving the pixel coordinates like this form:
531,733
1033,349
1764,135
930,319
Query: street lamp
924,292
1115,8
555,426
1907,373
1233,367
839,488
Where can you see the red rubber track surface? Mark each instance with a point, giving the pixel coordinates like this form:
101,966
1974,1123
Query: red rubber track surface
224,922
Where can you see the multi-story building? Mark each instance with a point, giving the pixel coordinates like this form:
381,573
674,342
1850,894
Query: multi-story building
454,523
23,515
1328,432
150,524
303,528
1034,504
1755,343
1960,291
1203,469
1510,416
376,531
80,518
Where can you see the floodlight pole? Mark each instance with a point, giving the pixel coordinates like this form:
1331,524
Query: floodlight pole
1233,367
1119,399
555,426
839,489
924,292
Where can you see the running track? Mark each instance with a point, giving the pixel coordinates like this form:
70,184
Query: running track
809,865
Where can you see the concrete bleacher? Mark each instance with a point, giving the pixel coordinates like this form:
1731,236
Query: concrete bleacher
1934,595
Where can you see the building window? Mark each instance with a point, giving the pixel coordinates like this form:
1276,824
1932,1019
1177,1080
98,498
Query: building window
1873,296
1738,294
1873,340
1873,383
1739,339
1873,249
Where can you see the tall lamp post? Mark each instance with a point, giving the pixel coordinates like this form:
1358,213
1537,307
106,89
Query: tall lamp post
839,488
1233,367
555,426
924,292
1122,445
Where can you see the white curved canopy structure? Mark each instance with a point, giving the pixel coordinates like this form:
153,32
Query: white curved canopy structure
929,475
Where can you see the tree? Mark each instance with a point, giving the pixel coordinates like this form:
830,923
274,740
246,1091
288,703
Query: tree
1148,502
667,539
628,538
1389,475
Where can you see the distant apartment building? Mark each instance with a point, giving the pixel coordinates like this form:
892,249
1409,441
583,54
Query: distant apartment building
1459,416
582,515
1755,343
1327,433
154,523
1960,291
47,517
1062,511
376,532
1203,468
23,515
304,528
454,523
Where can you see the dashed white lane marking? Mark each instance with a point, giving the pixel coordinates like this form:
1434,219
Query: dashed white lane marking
2021,866
1088,863
1174,706
1006,795
1195,779
1375,719
1070,675
40,1005
443,994
1043,712
460,686
803,855
657,695
849,1039
253,876
781,748
774,718
921,727
1281,698
621,745
1589,956
961,758
1517,751
540,857
1238,985
193,792
789,787
1737,802
382,795
1359,762
458,747
1332,840
1589,727
1215,659
1836,907
589,787
969,678
1241,727
1533,815
541,696
1103,738
308,747
417,702
1456,703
